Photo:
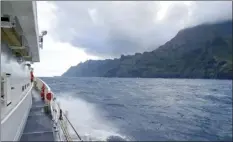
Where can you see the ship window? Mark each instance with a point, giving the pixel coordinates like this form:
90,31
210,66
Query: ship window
22,88
2,89
41,39
5,19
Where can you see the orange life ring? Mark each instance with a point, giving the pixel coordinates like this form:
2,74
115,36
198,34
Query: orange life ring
49,96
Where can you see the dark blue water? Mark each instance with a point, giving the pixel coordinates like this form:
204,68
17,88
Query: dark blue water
154,109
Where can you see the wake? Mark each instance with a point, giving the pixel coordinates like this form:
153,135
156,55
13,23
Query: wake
88,120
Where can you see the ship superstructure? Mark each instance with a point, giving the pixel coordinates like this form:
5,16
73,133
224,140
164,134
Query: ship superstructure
29,111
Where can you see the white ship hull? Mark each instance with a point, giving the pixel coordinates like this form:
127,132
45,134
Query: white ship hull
19,34
29,110
14,121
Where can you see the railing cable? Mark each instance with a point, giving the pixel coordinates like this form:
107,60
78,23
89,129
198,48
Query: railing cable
73,128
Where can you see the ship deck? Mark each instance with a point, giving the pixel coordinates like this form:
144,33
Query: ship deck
39,125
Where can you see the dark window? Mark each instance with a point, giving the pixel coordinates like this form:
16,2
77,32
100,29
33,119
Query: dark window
6,19
2,89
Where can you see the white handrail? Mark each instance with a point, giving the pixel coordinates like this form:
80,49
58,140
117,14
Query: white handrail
55,111
15,108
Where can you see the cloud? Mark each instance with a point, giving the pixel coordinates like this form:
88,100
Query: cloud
210,12
109,29
57,55
81,30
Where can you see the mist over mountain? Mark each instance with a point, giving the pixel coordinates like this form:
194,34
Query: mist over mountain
203,51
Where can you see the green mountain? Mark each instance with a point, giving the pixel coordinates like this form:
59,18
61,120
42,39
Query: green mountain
203,51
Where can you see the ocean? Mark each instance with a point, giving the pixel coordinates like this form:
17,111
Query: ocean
143,109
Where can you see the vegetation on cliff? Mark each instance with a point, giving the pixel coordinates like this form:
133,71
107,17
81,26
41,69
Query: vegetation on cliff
204,51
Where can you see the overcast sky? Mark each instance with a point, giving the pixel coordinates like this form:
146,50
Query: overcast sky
78,31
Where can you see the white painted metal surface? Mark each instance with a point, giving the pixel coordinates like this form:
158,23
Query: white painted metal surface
17,94
5,90
26,13
17,88
14,121
62,133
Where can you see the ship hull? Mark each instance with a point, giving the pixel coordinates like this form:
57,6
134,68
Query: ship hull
13,123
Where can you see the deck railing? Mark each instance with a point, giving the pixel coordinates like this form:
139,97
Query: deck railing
62,124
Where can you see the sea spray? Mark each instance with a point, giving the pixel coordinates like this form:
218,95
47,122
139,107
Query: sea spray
87,119
16,69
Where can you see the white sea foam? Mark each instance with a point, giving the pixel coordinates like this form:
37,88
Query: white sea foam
87,119
10,65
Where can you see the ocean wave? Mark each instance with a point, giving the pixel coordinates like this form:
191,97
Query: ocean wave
87,119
